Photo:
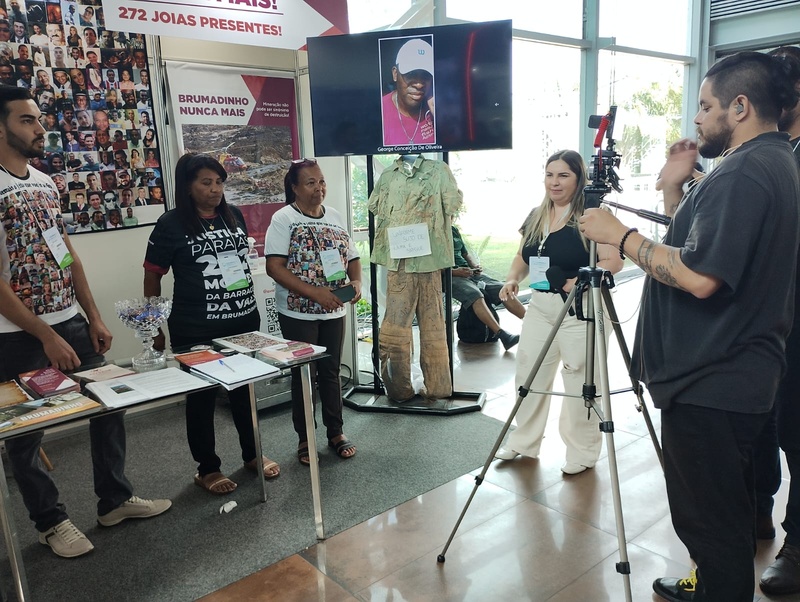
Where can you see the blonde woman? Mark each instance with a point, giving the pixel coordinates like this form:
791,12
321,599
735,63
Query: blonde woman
552,251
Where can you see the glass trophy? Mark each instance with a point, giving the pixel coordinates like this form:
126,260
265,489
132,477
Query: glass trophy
145,315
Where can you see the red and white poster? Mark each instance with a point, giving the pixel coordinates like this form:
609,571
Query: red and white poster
266,23
248,122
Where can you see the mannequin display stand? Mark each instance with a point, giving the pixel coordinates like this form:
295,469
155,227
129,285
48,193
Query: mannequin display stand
373,398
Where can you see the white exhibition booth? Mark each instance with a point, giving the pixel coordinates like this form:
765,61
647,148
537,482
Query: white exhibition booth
113,260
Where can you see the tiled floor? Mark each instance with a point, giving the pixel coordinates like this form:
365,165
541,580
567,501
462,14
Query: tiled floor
530,532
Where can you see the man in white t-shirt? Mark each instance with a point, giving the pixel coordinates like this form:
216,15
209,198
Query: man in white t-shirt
58,336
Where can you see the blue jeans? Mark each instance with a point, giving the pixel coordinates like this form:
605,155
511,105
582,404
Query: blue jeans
20,352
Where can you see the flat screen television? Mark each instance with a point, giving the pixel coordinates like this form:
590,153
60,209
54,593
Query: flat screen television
430,89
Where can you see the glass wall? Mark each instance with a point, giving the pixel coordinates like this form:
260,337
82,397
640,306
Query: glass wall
555,44
645,24
648,93
501,187
547,92
563,18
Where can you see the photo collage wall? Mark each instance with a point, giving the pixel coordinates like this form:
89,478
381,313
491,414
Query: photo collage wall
92,86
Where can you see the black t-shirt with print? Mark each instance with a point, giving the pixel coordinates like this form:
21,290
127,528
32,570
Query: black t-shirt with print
202,308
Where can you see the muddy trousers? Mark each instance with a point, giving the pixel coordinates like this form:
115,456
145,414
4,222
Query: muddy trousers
408,295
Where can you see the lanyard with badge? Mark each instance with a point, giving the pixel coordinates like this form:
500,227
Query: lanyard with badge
539,265
230,265
52,237
331,259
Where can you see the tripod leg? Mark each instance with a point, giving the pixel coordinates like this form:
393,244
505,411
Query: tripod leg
607,427
635,384
523,392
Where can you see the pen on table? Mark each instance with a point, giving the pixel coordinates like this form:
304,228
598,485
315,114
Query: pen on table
226,365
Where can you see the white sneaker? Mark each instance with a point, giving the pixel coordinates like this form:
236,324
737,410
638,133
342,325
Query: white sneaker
506,454
66,540
135,507
572,468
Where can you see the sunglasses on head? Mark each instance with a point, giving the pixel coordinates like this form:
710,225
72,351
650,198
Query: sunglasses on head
303,162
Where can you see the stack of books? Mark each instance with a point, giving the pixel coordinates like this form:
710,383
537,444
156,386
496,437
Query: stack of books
48,381
270,347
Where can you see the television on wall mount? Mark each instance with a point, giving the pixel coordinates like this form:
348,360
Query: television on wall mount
431,89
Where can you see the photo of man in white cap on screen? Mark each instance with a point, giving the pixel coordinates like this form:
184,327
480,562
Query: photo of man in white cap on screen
408,110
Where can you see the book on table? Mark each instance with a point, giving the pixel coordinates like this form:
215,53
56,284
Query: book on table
102,373
270,346
191,358
47,409
144,386
11,394
233,371
48,381
288,351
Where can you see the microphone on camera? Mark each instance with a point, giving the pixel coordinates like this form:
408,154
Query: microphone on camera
601,130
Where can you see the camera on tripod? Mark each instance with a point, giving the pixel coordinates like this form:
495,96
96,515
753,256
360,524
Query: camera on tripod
603,177
601,170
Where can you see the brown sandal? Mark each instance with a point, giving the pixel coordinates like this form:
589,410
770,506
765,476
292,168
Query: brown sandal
303,455
215,482
270,468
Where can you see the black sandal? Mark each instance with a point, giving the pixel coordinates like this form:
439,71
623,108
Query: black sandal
344,444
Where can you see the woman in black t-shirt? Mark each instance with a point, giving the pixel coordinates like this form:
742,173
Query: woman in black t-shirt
209,301
551,252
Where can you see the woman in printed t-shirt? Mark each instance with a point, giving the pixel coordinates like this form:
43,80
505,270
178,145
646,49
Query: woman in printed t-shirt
305,238
209,301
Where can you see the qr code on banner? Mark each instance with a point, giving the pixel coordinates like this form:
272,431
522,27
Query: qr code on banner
271,317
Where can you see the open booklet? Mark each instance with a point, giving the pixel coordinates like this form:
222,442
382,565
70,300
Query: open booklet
144,386
233,370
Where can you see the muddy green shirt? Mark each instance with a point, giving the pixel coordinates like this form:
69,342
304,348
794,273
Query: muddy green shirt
425,194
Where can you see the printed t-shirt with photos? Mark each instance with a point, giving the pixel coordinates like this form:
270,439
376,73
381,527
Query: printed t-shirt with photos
300,239
200,299
28,207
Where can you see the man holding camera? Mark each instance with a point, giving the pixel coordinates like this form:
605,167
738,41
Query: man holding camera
716,310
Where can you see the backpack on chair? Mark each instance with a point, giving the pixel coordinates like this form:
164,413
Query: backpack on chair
471,330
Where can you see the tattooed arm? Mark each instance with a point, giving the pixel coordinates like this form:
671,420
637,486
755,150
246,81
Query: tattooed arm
659,261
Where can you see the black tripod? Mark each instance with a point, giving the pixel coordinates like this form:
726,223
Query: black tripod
598,282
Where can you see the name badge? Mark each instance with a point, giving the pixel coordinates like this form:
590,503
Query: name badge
409,241
58,247
538,273
230,266
332,265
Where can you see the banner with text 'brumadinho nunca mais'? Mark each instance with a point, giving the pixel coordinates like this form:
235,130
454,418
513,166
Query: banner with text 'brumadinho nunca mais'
248,122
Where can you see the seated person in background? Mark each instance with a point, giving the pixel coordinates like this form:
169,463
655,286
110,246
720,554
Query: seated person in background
467,274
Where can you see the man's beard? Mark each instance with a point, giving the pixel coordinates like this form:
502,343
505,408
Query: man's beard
713,145
788,119
26,150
